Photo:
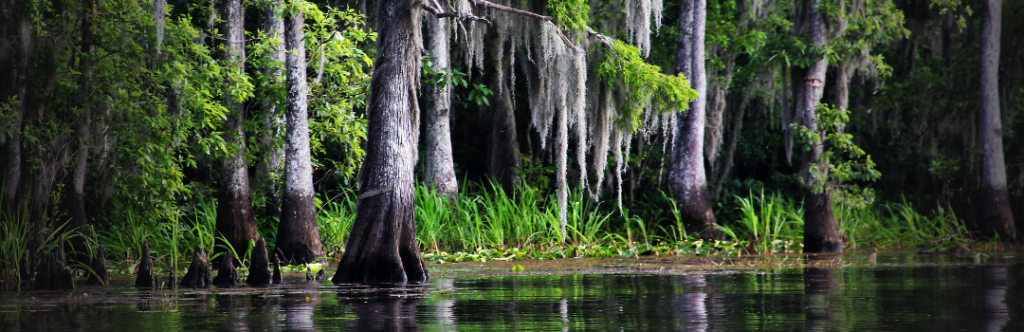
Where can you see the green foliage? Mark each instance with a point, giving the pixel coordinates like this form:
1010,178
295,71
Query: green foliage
770,224
570,15
16,233
8,116
950,6
455,78
333,44
901,225
335,219
845,164
641,86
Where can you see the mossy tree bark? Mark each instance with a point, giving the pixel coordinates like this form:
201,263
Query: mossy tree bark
382,247
503,151
996,217
298,237
821,233
234,207
439,166
686,174
270,167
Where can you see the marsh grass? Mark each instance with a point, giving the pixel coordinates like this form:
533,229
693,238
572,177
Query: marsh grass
335,220
774,224
13,248
899,224
770,223
486,217
485,223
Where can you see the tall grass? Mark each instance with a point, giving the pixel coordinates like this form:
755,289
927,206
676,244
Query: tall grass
899,224
335,220
488,217
14,232
772,223
767,222
167,239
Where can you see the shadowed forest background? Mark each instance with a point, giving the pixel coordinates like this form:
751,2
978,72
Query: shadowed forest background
216,123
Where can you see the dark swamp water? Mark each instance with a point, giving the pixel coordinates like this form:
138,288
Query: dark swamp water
901,292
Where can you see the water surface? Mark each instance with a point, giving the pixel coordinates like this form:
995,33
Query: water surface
902,292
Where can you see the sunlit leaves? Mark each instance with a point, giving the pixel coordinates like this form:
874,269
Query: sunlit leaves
570,15
843,165
641,86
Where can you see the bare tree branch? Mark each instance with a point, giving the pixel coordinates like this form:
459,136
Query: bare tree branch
434,8
484,3
488,4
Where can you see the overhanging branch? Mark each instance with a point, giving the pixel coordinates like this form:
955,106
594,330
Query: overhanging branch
435,8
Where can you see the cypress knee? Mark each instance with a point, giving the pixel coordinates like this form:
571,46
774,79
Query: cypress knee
99,276
258,273
198,275
276,278
145,275
226,275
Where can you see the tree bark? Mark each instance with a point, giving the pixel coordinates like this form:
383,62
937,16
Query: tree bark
686,176
268,174
259,275
996,217
820,231
382,247
12,146
76,196
234,207
439,167
503,150
730,151
297,235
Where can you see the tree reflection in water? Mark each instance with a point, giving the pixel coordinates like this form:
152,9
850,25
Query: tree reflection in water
996,311
691,306
236,309
444,309
901,296
384,309
819,284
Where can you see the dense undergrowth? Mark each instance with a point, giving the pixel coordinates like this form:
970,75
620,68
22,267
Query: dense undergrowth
488,224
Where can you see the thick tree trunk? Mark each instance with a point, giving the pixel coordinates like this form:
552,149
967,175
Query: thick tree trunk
382,247
297,235
234,207
996,218
43,158
820,231
686,176
842,89
12,146
76,196
503,150
268,173
439,167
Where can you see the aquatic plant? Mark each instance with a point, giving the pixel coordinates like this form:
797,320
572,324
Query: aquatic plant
14,232
335,219
900,224
767,222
